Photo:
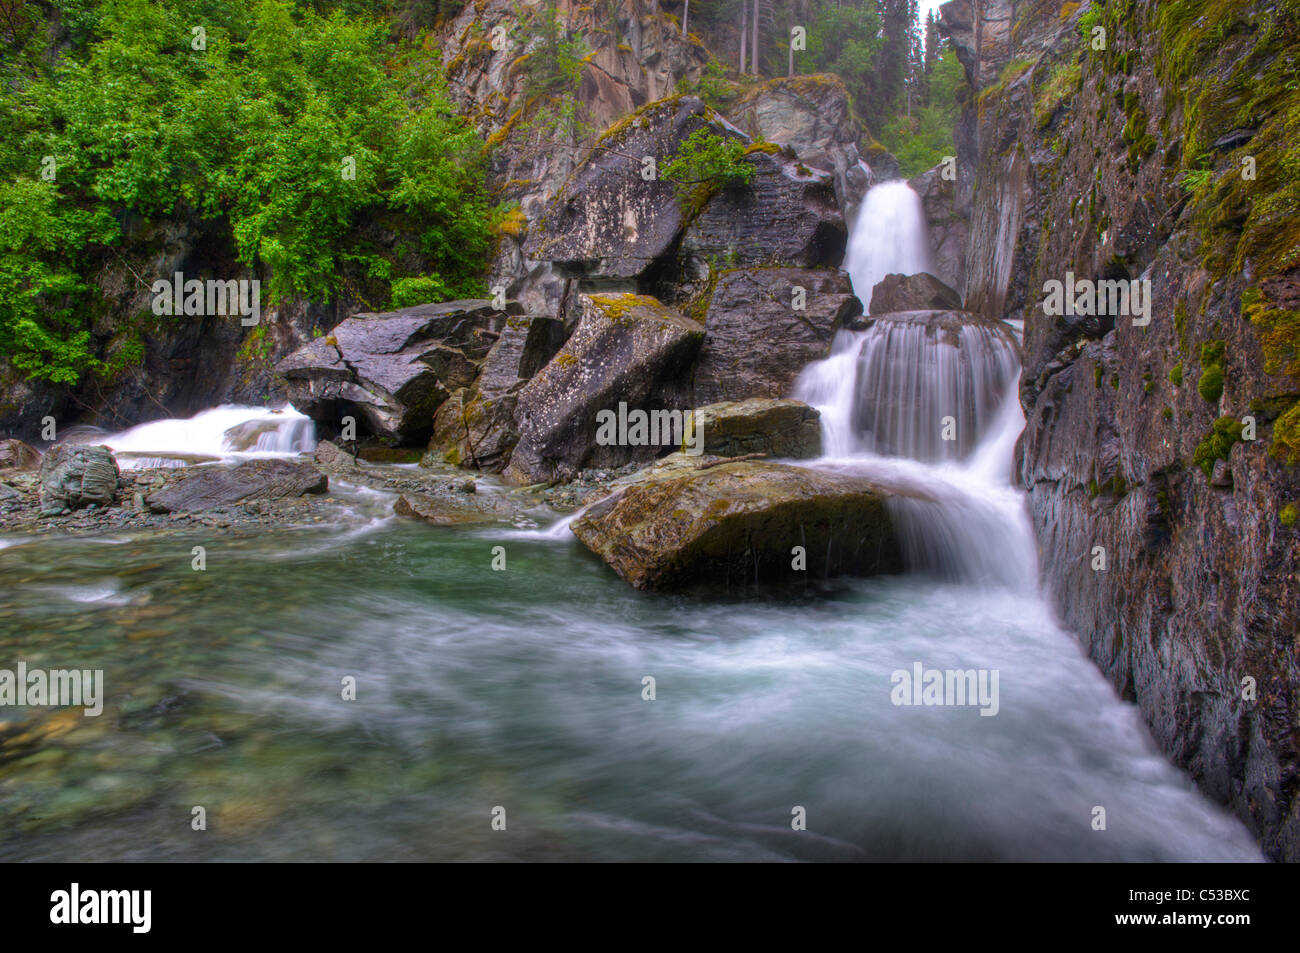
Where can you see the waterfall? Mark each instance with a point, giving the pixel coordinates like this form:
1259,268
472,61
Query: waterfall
228,431
926,404
888,238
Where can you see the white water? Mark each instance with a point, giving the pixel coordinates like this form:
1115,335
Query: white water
226,432
888,238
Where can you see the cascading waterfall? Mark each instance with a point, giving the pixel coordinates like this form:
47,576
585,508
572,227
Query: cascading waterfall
926,404
218,433
888,238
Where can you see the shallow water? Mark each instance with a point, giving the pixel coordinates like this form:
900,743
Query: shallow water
522,689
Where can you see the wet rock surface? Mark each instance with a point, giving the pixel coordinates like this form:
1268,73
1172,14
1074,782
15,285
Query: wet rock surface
627,349
392,370
775,428
737,523
920,292
202,488
73,477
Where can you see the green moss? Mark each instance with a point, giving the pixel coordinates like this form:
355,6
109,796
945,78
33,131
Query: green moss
1237,70
1096,374
1180,323
1210,384
1062,83
1286,435
1289,514
1217,444
769,148
1176,375
1114,382
1167,413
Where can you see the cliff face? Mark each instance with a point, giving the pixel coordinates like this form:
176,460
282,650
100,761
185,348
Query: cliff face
1169,156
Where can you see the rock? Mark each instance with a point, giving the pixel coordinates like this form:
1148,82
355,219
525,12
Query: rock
205,487
626,349
331,456
778,428
787,215
456,507
476,425
607,222
811,114
16,455
921,292
750,311
738,523
392,370
947,226
73,476
245,436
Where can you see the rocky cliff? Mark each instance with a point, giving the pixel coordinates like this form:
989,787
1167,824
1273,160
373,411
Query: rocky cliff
1155,143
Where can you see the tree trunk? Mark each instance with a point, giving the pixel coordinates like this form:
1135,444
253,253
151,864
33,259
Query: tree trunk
744,33
753,43
686,15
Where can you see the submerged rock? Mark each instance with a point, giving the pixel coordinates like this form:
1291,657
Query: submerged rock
739,523
207,487
778,428
919,292
627,349
75,476
455,506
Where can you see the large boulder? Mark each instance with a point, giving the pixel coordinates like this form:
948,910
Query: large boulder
626,350
777,428
607,222
205,487
16,455
476,425
785,215
757,342
812,115
919,292
392,370
77,475
739,523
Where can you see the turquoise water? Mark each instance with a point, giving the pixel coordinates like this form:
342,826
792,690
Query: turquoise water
522,689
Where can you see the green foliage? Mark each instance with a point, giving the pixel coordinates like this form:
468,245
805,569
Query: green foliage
420,289
847,40
1289,514
250,134
1091,18
920,141
705,163
1217,444
1176,375
554,61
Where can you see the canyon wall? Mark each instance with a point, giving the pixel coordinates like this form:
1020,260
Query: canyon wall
1157,142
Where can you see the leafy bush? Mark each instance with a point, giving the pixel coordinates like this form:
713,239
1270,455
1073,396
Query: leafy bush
255,134
705,163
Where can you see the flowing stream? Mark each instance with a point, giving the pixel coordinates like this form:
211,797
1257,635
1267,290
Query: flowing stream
522,688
